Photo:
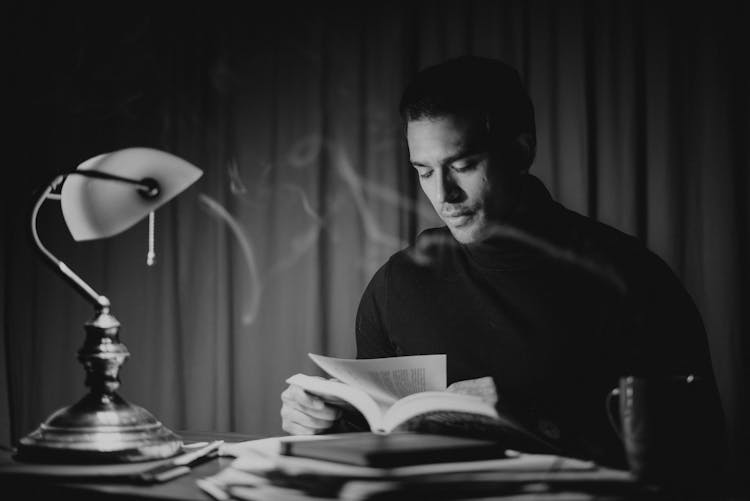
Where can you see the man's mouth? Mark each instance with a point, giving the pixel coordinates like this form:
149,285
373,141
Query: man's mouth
457,218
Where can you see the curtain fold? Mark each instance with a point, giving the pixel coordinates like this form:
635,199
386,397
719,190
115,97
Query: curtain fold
291,111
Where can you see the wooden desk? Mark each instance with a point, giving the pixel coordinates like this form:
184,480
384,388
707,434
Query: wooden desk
183,488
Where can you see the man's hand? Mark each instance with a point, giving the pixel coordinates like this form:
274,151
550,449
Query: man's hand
305,414
484,387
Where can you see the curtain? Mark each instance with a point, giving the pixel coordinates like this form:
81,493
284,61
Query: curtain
291,112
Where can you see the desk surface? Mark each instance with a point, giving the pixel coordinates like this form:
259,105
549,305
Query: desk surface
184,488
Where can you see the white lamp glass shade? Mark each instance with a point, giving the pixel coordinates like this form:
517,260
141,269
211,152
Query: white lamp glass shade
99,208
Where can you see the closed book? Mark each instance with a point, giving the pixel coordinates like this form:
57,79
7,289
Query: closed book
395,449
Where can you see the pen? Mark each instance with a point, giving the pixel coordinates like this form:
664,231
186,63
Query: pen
179,465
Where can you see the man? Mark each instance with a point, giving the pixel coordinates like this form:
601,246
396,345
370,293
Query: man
540,310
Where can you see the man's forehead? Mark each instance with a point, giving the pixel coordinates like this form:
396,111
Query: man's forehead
447,132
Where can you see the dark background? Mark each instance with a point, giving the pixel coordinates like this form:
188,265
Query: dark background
290,110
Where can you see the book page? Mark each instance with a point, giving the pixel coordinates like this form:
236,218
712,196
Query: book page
437,401
388,379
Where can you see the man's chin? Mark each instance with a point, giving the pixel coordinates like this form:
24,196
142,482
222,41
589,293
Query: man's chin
466,234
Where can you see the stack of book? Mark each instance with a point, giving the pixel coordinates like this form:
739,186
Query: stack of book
406,465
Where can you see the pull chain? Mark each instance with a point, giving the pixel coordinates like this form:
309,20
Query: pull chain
151,256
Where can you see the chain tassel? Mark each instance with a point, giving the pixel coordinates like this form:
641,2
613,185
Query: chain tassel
151,256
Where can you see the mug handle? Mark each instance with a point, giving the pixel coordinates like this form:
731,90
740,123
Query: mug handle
612,414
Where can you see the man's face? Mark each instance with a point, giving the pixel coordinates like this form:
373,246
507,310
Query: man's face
465,183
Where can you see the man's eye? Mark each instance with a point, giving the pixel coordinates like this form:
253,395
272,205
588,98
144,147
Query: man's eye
463,167
424,174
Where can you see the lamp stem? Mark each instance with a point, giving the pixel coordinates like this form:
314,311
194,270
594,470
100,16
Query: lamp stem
101,303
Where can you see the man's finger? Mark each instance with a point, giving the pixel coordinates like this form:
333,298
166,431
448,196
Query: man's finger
296,394
299,416
483,387
294,415
328,412
296,429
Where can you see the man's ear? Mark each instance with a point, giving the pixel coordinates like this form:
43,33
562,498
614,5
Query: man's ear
526,144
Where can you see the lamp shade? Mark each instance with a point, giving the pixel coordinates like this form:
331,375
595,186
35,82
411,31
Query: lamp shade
96,208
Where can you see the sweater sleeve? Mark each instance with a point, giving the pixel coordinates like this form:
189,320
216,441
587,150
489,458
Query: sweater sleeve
656,332
674,341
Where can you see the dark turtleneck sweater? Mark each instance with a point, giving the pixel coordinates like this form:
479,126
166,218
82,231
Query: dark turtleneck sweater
555,307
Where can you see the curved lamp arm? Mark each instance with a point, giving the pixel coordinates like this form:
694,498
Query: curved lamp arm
148,188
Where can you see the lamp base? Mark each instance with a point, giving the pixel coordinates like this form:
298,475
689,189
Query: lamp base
99,429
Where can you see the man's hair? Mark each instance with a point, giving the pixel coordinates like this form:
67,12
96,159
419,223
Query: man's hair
481,89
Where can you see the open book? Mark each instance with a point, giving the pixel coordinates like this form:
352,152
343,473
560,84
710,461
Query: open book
404,393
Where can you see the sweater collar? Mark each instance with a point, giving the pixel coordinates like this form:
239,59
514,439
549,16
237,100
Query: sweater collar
520,235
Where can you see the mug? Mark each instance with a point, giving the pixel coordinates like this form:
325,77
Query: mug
666,427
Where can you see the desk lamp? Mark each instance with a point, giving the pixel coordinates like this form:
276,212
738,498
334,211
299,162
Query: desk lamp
104,196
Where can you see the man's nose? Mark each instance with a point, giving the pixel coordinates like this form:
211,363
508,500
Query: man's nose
447,188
